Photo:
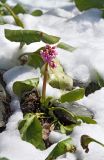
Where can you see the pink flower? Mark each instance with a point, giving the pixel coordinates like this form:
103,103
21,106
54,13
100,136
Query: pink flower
48,54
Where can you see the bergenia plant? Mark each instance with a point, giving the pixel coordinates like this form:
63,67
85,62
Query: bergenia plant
43,114
48,55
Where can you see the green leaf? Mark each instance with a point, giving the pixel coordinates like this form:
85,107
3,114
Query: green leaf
37,13
76,108
79,111
2,21
19,87
18,8
73,95
31,131
35,60
63,114
61,81
3,1
68,129
61,148
86,140
87,120
100,80
58,78
62,129
30,36
87,4
49,38
66,47
16,18
24,36
47,101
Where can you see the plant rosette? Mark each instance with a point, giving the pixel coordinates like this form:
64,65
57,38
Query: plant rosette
41,114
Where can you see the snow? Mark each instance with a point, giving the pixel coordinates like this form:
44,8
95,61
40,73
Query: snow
81,30
9,52
95,151
55,136
41,3
95,103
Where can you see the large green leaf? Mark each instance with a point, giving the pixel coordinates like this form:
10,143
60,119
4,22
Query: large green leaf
18,8
63,114
73,113
16,18
30,36
20,87
86,140
73,95
87,4
58,78
61,148
61,81
76,108
66,47
31,131
37,13
24,36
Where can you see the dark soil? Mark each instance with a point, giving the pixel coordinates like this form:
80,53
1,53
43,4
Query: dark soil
30,102
91,88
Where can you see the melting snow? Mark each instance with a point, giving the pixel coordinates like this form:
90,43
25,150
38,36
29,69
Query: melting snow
83,30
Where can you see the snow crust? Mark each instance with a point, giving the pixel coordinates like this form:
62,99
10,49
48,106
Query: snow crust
85,31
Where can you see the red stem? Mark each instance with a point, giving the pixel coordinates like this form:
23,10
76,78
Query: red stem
44,82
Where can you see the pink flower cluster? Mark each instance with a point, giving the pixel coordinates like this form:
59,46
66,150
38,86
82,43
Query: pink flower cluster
48,54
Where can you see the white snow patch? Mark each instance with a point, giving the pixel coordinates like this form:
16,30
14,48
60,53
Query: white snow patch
55,136
95,150
43,4
9,51
95,102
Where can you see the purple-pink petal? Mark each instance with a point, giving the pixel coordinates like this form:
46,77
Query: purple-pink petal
48,54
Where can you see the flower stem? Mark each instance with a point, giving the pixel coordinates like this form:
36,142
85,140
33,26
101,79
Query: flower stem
44,82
